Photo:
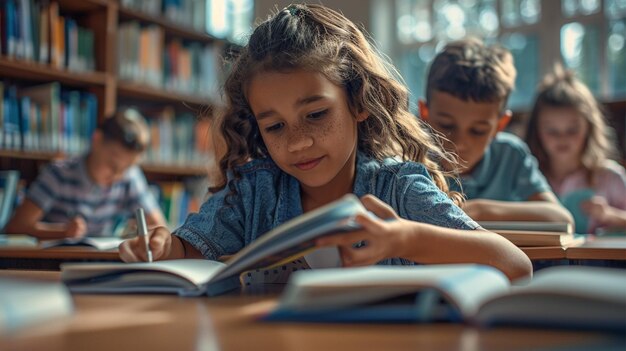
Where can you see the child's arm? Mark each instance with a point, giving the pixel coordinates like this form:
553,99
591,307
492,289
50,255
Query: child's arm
26,220
425,243
539,207
164,246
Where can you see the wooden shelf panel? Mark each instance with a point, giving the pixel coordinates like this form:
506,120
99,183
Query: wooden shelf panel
174,170
83,5
26,70
170,28
145,92
31,155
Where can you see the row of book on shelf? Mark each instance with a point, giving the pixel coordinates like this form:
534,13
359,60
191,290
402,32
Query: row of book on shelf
144,57
188,13
177,138
46,118
35,31
180,198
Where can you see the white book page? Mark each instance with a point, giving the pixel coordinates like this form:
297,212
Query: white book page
197,271
336,215
103,243
566,296
592,282
100,243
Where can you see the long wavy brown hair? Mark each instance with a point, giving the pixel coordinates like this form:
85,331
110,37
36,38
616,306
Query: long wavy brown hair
316,38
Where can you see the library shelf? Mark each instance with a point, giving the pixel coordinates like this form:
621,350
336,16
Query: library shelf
38,72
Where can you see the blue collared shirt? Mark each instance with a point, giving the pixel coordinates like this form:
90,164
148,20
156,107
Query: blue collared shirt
268,197
507,172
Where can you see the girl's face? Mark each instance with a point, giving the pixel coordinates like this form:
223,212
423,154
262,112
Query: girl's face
563,133
307,126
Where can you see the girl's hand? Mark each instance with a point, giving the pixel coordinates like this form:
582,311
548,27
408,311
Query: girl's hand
597,208
76,228
382,239
134,250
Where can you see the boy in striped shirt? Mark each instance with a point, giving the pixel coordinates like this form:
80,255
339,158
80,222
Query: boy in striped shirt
88,195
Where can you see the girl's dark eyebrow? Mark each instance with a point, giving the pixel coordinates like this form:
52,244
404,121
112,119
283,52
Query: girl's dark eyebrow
299,102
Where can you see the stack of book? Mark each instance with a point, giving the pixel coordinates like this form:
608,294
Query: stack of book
525,233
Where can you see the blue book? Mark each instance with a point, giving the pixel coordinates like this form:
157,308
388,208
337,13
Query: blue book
8,191
25,303
572,297
25,123
285,243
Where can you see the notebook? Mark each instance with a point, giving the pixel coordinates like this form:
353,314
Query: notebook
293,239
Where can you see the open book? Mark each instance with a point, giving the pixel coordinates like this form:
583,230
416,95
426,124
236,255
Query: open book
292,239
27,302
100,243
524,233
565,296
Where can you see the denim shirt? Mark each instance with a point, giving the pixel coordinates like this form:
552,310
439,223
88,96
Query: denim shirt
268,197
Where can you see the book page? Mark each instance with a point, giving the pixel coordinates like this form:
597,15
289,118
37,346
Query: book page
296,237
197,271
592,282
576,297
103,243
100,243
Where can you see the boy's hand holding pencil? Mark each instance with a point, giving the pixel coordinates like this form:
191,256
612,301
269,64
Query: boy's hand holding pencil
76,227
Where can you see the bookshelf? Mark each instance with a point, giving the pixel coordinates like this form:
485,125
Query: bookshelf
104,18
160,63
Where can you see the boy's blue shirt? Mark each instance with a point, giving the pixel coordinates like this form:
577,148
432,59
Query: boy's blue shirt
507,172
268,197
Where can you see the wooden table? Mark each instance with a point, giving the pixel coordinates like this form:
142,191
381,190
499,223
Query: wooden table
163,322
50,259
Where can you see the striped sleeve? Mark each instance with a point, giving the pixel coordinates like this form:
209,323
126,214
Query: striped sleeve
44,191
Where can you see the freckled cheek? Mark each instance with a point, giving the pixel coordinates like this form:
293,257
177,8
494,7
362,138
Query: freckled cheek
274,144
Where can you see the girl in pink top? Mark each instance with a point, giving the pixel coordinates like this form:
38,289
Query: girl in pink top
568,134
